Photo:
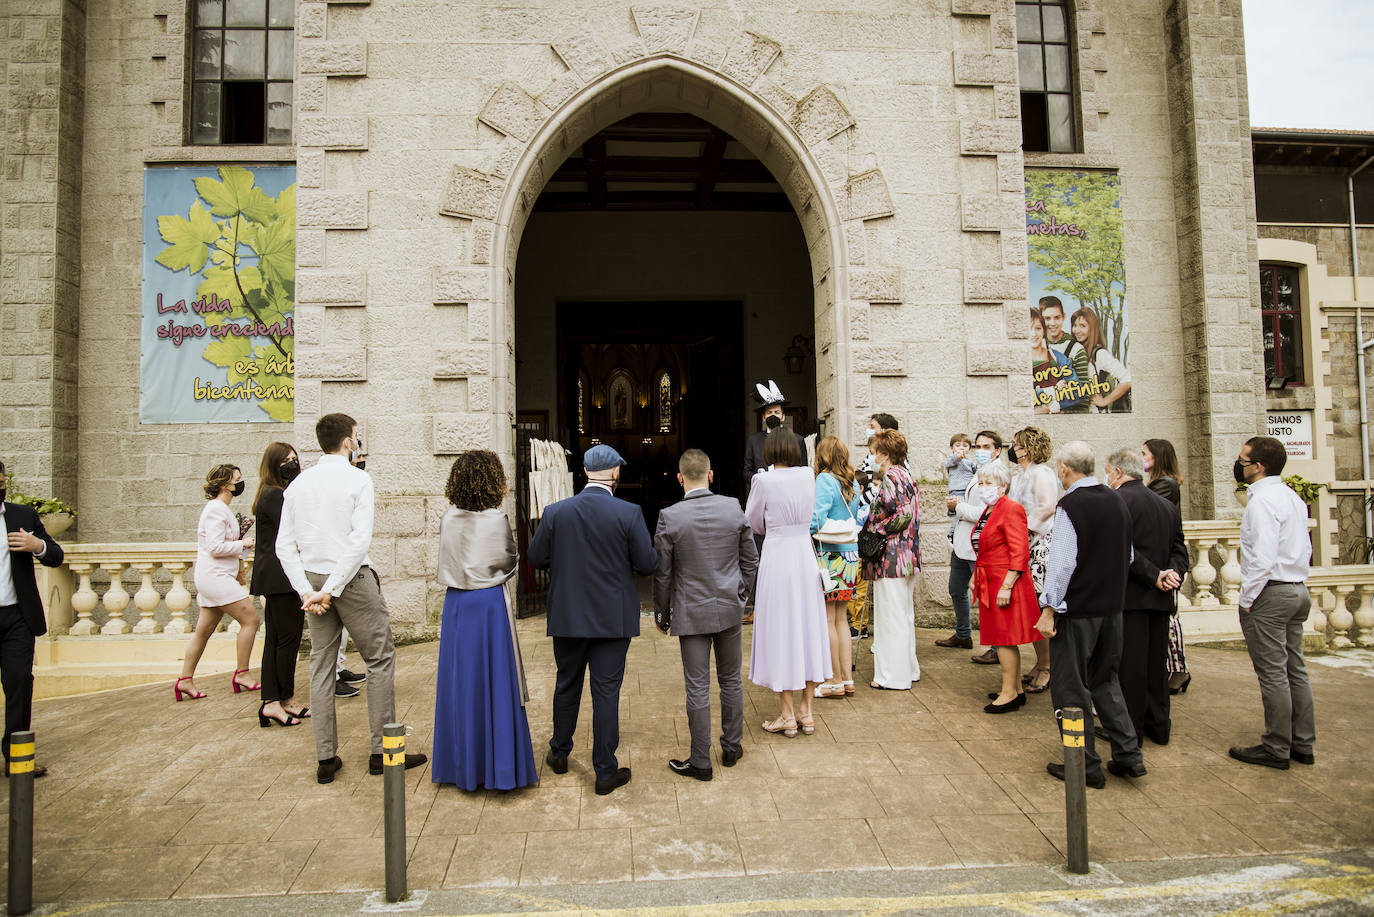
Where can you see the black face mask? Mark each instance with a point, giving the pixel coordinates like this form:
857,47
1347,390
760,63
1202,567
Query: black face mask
1238,469
772,422
238,489
2,495
361,465
1011,454
289,470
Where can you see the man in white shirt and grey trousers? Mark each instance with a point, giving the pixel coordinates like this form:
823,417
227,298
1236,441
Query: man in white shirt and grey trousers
322,543
1275,554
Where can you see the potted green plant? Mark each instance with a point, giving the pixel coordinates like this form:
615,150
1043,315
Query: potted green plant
1307,490
55,515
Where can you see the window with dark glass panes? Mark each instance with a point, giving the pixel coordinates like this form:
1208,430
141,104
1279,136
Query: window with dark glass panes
1281,311
1044,57
242,57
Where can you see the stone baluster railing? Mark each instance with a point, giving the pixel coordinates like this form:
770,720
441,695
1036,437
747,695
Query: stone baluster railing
71,598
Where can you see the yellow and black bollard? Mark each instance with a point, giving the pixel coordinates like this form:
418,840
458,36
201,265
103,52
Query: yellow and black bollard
1075,788
21,823
394,804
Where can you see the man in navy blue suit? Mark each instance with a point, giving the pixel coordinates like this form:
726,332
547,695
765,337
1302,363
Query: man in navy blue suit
593,544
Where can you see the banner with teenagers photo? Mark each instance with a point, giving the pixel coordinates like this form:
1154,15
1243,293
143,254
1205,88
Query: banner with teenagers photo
219,290
1080,339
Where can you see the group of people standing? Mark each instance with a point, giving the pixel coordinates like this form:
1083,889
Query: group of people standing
1084,570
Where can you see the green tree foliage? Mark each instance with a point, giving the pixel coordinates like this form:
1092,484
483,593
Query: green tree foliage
1089,267
244,249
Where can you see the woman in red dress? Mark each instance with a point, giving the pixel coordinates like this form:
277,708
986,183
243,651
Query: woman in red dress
1007,604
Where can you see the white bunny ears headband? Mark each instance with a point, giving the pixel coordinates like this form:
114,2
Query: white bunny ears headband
768,394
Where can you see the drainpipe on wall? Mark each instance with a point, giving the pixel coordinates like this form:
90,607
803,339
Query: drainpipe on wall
1361,342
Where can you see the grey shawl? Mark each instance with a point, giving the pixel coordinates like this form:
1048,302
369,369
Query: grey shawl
477,551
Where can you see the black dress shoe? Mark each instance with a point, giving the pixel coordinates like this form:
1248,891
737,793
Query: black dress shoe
1302,757
618,779
352,678
1158,736
1258,754
1009,706
1056,770
728,757
557,763
375,766
1117,769
325,771
688,770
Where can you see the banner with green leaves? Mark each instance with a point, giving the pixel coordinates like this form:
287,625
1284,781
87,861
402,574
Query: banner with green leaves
219,295
1080,339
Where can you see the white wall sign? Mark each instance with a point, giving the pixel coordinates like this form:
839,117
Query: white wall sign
1294,430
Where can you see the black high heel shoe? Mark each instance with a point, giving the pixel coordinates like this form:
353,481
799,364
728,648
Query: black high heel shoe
266,722
1182,686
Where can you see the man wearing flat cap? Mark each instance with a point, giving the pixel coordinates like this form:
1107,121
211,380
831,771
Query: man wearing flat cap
593,544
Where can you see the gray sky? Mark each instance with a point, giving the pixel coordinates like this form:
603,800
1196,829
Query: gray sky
1310,63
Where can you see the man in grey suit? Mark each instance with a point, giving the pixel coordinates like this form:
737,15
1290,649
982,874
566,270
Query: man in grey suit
706,563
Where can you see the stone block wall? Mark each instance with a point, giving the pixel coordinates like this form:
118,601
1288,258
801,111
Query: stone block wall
40,250
425,133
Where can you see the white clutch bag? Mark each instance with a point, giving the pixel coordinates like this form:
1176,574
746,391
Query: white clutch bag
838,531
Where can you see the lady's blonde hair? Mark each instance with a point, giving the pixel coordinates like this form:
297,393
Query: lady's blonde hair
832,455
218,478
1036,442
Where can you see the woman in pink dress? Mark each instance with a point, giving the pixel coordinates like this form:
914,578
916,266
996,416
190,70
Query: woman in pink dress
221,582
791,646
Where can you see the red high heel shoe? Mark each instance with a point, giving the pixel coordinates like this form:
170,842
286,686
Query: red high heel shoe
189,695
238,687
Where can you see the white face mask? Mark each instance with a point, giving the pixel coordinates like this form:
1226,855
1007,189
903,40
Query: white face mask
989,493
982,456
872,433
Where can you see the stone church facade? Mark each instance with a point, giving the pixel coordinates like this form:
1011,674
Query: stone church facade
423,134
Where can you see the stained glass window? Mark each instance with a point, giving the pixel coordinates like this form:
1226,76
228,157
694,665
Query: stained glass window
665,403
1281,311
581,406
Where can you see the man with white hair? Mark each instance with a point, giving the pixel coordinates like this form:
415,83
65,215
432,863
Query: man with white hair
1157,569
1080,610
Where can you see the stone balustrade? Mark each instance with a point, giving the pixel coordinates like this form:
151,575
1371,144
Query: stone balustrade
90,584
1208,603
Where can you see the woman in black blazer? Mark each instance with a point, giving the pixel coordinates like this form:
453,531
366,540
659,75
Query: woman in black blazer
282,610
1161,465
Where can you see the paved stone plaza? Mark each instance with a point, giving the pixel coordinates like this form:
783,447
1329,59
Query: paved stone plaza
148,799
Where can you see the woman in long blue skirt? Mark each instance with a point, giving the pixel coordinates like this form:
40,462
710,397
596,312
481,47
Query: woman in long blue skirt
481,732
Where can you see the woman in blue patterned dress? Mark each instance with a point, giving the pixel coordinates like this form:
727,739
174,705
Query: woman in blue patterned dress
837,500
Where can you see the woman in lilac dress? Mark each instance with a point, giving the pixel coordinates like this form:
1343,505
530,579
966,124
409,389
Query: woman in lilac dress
791,646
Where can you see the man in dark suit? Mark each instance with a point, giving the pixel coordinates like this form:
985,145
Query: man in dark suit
1157,568
21,612
592,544
706,564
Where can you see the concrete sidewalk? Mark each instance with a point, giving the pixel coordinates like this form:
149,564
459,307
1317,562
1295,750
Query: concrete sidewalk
150,799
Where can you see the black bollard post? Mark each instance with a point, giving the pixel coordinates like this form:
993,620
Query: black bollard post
21,823
394,803
1075,789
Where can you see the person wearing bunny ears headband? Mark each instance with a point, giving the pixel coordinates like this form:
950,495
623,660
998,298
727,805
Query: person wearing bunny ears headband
770,408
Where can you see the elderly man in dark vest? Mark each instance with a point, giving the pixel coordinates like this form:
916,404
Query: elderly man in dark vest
1159,565
593,544
706,564
1080,610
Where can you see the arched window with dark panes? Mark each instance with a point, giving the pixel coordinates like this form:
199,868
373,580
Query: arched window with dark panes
242,63
1044,54
1281,317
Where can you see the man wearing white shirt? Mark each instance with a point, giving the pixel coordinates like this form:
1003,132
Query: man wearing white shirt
322,543
1275,552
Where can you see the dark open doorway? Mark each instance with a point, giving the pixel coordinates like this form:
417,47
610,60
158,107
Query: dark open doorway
653,379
